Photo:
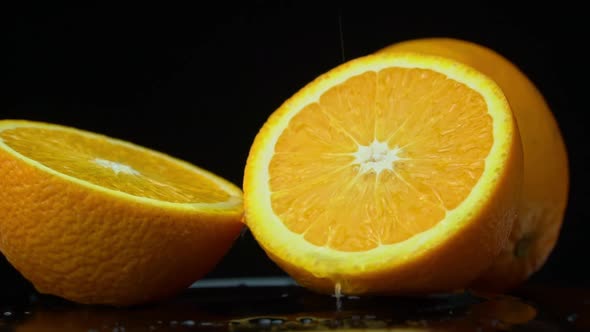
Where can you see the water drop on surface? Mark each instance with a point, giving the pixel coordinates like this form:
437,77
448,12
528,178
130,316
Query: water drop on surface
306,320
7,313
572,318
188,323
173,323
264,322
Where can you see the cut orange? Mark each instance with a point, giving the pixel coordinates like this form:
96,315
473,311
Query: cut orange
388,174
546,175
98,220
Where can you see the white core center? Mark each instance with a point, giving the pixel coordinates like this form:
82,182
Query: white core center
376,157
116,167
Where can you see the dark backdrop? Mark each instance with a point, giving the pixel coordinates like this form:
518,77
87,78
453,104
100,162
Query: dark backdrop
197,83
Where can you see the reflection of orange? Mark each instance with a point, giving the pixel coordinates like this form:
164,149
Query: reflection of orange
390,173
546,177
491,314
508,310
97,220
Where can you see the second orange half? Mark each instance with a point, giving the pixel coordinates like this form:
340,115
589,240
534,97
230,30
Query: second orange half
388,174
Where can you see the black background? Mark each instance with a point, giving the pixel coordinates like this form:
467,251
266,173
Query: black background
197,83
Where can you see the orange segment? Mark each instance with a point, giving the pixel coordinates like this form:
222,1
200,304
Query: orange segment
98,220
390,173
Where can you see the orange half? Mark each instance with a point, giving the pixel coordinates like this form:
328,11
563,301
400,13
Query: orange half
384,173
97,220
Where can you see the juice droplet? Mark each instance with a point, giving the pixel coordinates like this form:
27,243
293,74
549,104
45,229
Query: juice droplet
188,323
338,295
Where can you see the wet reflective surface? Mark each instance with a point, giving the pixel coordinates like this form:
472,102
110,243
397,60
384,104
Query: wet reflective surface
284,307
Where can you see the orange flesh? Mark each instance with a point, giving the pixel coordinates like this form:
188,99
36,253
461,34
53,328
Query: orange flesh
438,133
125,169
